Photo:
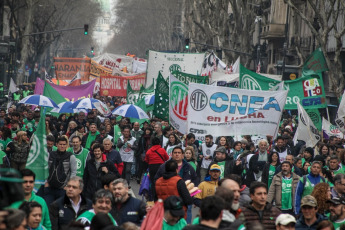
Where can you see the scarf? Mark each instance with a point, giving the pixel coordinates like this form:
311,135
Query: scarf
90,139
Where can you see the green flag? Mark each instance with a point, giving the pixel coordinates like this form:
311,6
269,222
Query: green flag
315,116
145,92
308,90
187,78
161,107
38,155
315,63
152,86
132,95
117,134
50,92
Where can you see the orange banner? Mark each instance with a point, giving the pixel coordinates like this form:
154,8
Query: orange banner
96,70
66,68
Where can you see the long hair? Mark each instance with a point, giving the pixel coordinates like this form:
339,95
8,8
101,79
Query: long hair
192,150
20,137
320,192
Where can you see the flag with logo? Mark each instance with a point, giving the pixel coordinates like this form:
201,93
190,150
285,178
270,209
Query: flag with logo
315,63
132,95
306,130
339,121
309,91
315,116
330,130
161,107
178,104
38,155
190,78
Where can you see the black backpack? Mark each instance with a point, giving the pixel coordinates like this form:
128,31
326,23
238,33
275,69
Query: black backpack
57,175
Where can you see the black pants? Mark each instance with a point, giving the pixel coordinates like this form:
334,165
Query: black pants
153,169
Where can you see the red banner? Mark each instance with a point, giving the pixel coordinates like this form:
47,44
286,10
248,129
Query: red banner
66,68
117,86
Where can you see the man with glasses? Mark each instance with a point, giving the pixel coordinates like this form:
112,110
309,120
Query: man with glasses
72,204
310,218
339,186
29,195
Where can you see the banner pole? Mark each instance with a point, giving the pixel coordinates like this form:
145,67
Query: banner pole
327,113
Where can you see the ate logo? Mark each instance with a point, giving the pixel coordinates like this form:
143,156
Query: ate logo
311,88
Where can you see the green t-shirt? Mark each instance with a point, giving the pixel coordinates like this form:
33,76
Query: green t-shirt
287,194
192,163
180,225
28,125
271,173
86,217
222,168
337,224
3,143
2,155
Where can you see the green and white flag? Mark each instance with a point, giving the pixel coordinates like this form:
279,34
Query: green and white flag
315,116
132,95
50,92
315,63
38,155
309,91
190,78
161,107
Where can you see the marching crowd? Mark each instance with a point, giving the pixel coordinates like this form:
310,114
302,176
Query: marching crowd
93,160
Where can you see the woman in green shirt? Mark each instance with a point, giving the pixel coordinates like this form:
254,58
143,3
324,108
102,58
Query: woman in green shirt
270,168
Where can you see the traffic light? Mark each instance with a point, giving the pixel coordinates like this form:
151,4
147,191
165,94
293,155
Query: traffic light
186,41
86,29
92,51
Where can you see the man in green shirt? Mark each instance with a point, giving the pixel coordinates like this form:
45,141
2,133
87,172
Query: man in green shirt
173,214
26,92
102,202
81,154
28,186
337,210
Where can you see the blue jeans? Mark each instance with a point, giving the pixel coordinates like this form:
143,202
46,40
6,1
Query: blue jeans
189,214
126,174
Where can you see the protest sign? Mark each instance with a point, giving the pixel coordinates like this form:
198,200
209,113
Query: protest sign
66,68
117,86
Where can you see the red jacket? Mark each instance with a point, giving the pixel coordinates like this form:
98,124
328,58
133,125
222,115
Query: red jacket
152,157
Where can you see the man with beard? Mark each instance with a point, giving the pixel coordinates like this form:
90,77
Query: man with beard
91,136
207,150
339,189
126,208
102,202
227,165
307,183
337,210
283,187
281,149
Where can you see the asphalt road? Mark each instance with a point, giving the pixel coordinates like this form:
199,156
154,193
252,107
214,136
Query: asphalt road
135,187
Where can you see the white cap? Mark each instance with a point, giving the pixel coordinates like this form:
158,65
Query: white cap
285,219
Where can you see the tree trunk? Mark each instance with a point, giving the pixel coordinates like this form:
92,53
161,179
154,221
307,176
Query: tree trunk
25,42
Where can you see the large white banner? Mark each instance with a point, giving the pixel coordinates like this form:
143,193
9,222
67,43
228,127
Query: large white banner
167,62
228,111
306,130
178,95
114,61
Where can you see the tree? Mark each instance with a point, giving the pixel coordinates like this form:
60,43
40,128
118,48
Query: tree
329,15
223,23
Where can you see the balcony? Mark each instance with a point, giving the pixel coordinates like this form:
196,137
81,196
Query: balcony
273,31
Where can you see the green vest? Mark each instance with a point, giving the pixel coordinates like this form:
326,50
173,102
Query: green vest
337,224
16,96
2,155
26,93
81,160
222,168
308,187
86,217
271,173
286,193
179,225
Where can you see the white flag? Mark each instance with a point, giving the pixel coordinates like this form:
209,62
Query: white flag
306,130
236,66
339,121
330,130
13,87
47,77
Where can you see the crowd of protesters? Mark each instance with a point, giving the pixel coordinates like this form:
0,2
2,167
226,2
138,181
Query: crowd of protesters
273,183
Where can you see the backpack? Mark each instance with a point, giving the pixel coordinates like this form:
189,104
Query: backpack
57,174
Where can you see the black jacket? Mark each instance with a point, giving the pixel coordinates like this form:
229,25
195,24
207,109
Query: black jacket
92,176
187,172
230,166
84,139
132,210
61,212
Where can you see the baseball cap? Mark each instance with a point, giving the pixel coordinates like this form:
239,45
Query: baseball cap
175,205
309,201
215,167
336,200
285,219
221,149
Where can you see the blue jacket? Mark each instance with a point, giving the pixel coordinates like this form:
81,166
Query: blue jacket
300,188
186,173
132,210
301,225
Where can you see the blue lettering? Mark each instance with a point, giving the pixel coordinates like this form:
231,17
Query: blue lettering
272,103
213,102
253,107
311,101
236,102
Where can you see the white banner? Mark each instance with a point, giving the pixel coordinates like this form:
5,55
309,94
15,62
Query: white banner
167,62
306,130
230,112
178,95
340,121
330,130
114,61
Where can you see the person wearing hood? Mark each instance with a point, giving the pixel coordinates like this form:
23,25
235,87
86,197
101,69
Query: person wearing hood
171,184
228,165
306,184
209,185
